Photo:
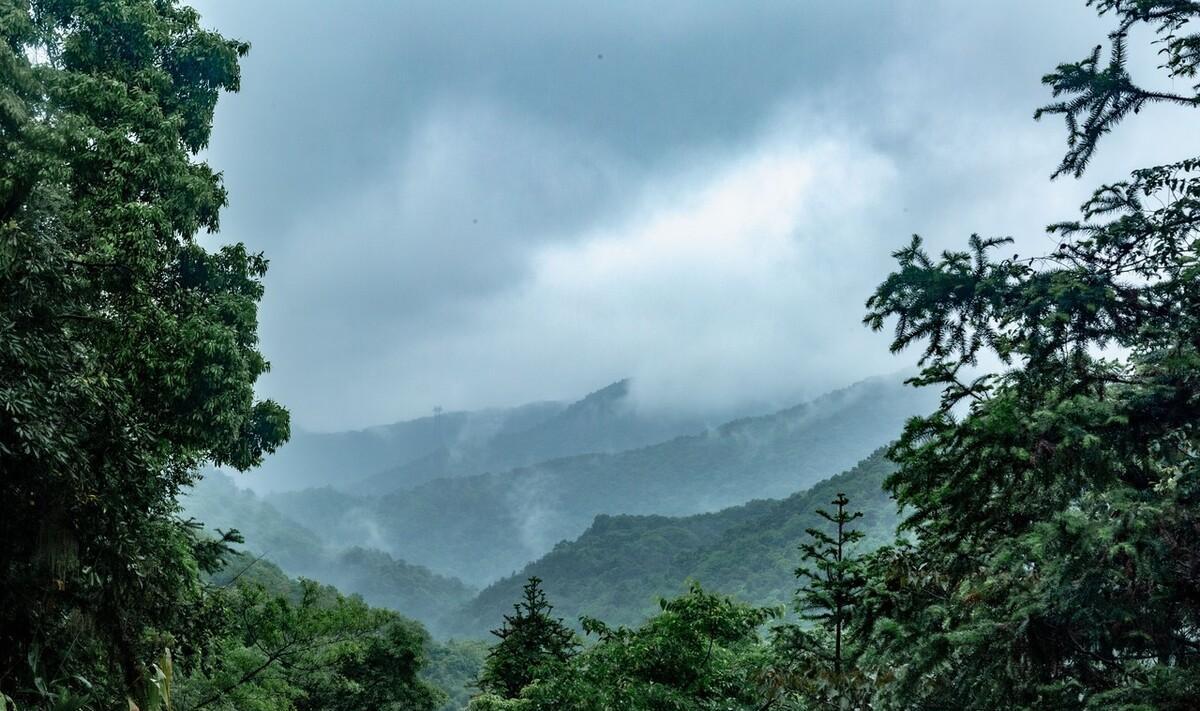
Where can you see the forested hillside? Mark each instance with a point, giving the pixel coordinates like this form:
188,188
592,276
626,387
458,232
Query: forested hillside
620,567
311,613
503,521
381,580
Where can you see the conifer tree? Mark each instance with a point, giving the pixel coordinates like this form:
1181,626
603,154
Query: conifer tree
1055,554
833,578
532,644
821,659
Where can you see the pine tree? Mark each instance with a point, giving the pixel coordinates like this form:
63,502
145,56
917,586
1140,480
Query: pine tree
1055,506
821,659
1101,94
532,644
833,578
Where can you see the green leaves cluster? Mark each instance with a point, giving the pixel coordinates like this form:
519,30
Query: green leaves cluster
701,651
1101,94
128,352
312,649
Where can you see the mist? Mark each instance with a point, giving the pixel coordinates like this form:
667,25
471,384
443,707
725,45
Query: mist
557,198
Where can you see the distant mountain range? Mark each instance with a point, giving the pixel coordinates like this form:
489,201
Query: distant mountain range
604,422
610,505
483,527
615,571
452,444
342,458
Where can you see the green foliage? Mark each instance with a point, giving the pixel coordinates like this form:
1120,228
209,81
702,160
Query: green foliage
702,651
532,645
818,665
1054,517
128,353
832,575
454,666
319,651
1102,95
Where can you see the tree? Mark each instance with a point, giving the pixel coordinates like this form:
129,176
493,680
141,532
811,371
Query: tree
1102,95
818,663
310,650
128,352
702,651
833,577
532,643
1055,554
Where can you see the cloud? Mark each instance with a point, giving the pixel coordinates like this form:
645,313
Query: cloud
726,287
474,204
737,278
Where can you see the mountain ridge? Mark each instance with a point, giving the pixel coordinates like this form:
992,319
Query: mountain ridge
504,520
605,421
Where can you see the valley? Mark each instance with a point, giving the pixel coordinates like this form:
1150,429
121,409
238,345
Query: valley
609,532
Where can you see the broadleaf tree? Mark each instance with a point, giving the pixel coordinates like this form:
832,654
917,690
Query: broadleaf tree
128,351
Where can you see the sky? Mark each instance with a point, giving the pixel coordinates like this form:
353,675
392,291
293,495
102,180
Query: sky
471,204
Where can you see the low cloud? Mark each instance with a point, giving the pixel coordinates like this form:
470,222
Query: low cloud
486,204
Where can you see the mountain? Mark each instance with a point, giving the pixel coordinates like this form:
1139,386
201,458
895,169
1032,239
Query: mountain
379,578
621,565
312,459
481,528
605,421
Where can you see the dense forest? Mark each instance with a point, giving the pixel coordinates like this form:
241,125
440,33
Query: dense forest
1029,539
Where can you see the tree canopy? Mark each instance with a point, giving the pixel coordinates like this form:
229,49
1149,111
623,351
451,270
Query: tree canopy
532,644
128,351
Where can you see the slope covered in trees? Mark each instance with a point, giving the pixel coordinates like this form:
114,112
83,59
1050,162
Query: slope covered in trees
289,643
502,521
620,567
381,580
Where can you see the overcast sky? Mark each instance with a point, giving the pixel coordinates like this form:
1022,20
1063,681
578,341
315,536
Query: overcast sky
469,204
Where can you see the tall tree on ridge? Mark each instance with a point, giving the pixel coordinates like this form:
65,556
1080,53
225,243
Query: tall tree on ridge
819,663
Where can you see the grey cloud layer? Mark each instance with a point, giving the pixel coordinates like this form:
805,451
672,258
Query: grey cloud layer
469,204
